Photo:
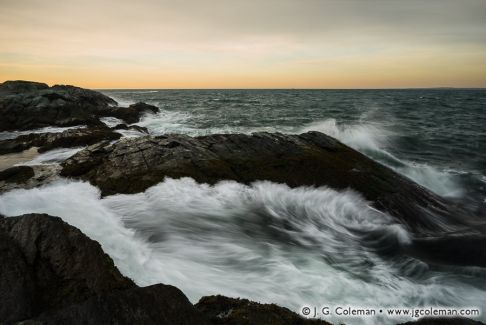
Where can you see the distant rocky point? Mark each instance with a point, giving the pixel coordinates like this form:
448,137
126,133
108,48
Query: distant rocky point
26,105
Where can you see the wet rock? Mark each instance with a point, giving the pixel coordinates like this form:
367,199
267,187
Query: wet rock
51,265
16,174
21,177
27,105
157,304
137,128
130,114
17,286
310,159
453,249
66,139
51,273
230,311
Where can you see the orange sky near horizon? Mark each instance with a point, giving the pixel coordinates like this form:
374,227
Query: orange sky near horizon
251,44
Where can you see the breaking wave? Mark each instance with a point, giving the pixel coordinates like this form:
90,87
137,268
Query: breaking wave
374,140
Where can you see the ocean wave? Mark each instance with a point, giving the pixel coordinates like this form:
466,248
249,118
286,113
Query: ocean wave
52,156
374,140
367,136
266,242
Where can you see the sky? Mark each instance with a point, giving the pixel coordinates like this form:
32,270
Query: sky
245,44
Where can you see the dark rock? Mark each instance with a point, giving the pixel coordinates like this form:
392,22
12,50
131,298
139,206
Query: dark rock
21,177
51,273
58,105
229,311
27,105
310,159
17,286
137,128
451,249
66,139
20,86
57,266
157,304
130,114
16,174
143,107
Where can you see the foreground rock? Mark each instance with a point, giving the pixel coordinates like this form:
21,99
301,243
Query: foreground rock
48,264
230,311
51,273
27,105
310,159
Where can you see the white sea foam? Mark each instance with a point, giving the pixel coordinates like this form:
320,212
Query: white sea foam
440,182
52,156
166,121
374,139
111,121
266,242
122,102
366,136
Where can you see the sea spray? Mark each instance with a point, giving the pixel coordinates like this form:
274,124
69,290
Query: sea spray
374,140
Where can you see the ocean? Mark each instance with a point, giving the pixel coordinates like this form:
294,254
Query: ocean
437,137
232,239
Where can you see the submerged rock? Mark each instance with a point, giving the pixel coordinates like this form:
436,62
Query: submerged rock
310,159
27,105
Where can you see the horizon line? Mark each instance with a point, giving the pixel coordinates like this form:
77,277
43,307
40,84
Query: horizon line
391,88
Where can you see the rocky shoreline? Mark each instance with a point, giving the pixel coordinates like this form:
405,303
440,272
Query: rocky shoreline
53,274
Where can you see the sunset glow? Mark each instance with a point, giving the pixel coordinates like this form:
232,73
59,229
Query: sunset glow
245,44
